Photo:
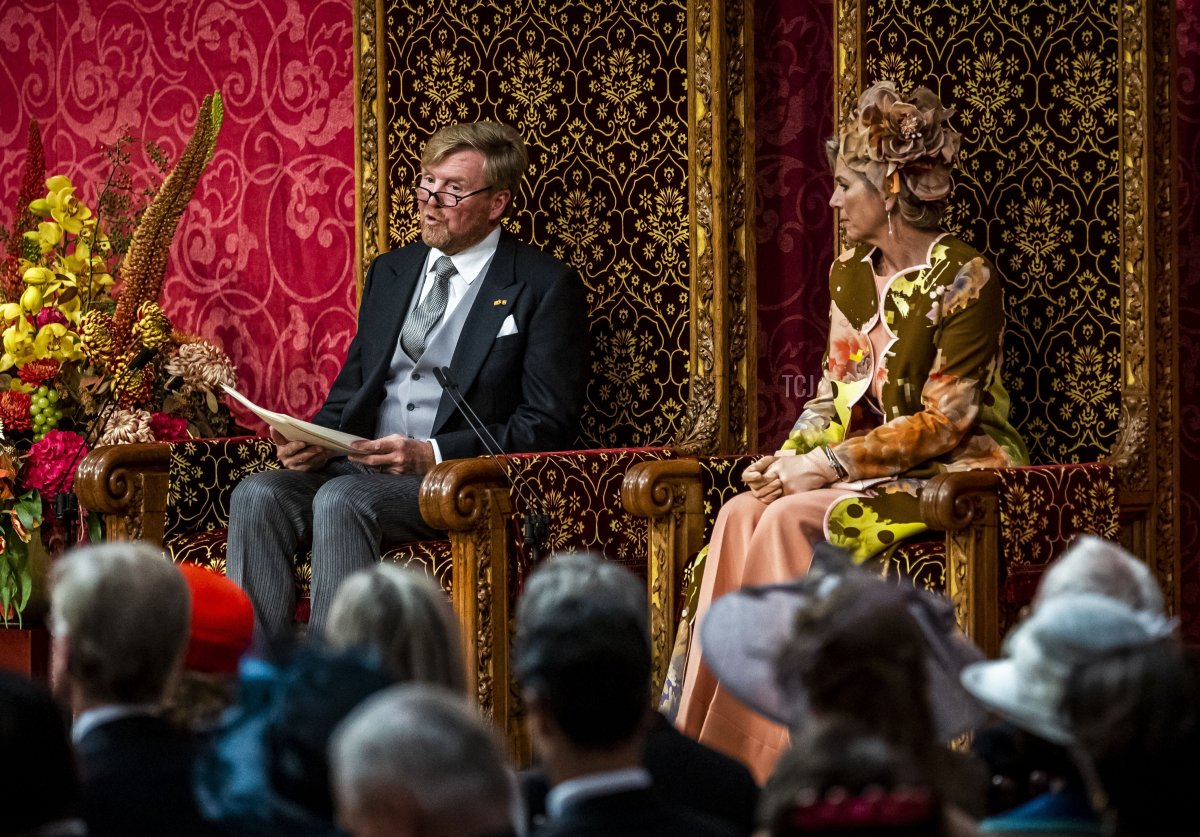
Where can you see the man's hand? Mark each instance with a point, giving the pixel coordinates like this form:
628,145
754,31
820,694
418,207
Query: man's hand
298,456
394,454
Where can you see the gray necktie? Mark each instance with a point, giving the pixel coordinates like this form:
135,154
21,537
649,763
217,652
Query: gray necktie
421,321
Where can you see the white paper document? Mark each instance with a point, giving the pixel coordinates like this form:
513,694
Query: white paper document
298,430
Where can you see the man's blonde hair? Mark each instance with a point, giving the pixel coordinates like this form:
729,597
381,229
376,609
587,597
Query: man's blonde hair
504,154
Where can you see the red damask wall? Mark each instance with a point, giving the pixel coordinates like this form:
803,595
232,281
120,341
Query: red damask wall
1187,211
262,263
794,114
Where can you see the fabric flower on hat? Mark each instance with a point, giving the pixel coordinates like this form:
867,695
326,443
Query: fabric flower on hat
50,464
890,136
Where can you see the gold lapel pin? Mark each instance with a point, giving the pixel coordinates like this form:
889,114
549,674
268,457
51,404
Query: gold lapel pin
499,302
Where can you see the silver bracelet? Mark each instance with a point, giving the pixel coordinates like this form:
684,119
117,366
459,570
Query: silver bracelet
838,468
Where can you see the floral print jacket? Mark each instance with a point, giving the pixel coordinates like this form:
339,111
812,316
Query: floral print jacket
941,403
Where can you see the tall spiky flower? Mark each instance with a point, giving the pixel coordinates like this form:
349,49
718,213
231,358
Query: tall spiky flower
33,183
145,265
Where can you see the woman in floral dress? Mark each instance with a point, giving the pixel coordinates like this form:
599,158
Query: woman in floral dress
910,388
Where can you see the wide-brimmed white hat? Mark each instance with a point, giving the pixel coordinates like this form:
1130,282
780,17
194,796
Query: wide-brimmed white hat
1065,631
744,632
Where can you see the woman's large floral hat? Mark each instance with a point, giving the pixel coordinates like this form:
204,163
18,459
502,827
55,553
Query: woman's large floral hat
890,136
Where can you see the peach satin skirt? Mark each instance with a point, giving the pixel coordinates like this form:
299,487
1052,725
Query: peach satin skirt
753,543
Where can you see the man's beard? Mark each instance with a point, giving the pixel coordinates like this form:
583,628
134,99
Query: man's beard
436,236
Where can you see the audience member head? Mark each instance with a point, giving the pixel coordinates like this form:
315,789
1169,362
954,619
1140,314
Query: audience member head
415,759
583,574
41,785
119,615
1065,631
402,617
903,146
505,157
839,779
1094,565
583,662
1134,714
222,628
859,652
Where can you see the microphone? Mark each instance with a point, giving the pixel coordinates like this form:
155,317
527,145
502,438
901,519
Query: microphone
536,523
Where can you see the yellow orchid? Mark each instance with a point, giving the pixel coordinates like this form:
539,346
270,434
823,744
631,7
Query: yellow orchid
47,236
18,340
65,208
31,299
88,238
22,344
38,275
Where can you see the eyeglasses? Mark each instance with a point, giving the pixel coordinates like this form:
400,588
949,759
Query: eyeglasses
443,199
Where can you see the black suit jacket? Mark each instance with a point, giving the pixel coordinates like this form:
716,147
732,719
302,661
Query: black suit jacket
637,813
685,773
526,387
136,779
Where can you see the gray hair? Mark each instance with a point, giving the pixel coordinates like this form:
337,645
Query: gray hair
583,574
419,746
124,610
1094,565
402,616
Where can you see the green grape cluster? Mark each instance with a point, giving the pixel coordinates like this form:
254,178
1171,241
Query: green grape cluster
45,411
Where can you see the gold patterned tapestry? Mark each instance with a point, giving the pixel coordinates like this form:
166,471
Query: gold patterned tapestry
598,90
1036,90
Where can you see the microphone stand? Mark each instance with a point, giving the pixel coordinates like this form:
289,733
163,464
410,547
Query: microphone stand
535,526
66,504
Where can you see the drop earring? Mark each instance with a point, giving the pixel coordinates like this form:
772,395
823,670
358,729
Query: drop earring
890,230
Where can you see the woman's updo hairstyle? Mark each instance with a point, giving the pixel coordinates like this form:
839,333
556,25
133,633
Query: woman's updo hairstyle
903,146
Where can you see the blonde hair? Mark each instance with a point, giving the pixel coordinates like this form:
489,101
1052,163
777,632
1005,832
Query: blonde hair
924,215
403,617
504,154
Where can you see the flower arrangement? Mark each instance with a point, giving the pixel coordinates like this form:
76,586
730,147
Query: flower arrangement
88,355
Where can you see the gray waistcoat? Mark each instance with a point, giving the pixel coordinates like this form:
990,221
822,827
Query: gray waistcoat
411,392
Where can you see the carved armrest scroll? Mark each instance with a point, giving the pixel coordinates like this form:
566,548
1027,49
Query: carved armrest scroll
128,485
669,494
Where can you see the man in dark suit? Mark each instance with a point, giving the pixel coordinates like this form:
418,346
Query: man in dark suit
583,661
506,318
119,616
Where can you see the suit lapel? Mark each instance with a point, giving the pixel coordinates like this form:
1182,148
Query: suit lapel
405,279
494,302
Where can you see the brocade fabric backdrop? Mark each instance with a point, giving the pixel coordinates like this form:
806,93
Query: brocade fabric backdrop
599,93
263,260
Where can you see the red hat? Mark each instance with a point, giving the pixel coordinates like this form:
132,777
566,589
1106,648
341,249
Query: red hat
222,621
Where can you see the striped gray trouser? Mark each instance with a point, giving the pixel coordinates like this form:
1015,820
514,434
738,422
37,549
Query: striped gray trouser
348,512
